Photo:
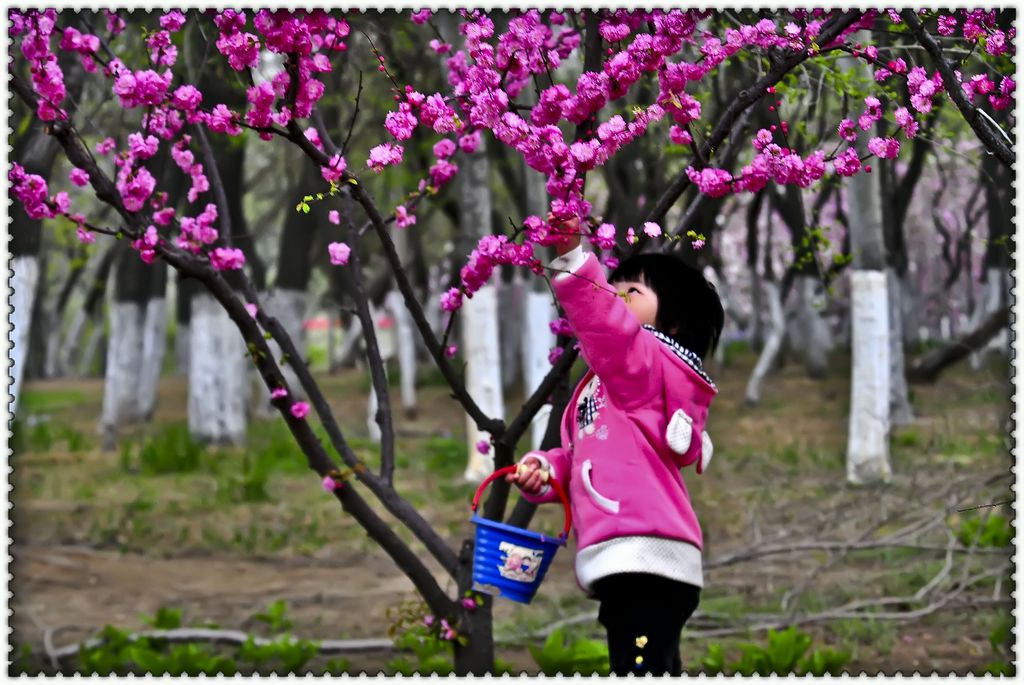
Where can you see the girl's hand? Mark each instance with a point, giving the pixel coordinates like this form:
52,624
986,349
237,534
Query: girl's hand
570,230
529,477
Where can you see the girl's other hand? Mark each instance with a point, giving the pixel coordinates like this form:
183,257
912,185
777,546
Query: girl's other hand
529,477
570,229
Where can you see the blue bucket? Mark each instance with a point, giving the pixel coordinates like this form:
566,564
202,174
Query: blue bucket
511,562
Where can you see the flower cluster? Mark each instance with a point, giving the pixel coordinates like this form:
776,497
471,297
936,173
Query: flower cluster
491,251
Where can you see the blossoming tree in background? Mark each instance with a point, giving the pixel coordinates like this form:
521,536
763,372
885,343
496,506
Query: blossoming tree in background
575,69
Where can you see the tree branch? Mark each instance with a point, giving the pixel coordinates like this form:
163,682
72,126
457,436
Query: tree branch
743,100
972,115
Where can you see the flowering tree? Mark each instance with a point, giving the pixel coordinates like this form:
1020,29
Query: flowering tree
575,125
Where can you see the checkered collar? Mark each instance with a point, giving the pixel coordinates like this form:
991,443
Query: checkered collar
689,357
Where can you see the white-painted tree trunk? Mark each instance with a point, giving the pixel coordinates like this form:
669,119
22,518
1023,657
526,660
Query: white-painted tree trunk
51,365
123,370
811,328
154,346
900,411
386,345
868,445
72,341
218,379
480,342
24,280
405,339
991,299
289,308
773,341
537,339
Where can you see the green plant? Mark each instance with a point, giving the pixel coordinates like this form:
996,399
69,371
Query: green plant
433,655
171,450
783,654
164,619
290,653
275,616
582,656
993,530
247,485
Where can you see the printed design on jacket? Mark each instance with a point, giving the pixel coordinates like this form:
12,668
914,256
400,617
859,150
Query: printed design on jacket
689,357
588,409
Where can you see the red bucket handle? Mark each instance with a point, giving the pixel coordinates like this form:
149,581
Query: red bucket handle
554,483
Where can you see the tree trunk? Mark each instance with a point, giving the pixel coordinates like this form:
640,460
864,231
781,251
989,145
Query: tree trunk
187,289
479,324
218,380
927,370
511,306
154,343
901,412
773,343
25,275
123,375
405,339
811,328
867,456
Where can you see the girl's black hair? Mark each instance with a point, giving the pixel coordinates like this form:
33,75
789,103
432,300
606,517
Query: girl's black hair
689,309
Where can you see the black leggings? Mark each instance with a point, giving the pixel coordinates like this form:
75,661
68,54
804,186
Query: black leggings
644,615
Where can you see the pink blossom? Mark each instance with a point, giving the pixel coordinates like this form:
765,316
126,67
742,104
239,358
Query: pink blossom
252,309
339,253
469,602
278,393
631,236
334,217
561,326
470,142
223,120
439,47
384,155
403,219
847,163
483,447
553,354
947,25
80,177
105,146
442,172
142,148
187,98
444,148
652,229
604,236
227,258
115,24
421,17
328,483
401,124
679,136
85,237
451,351
335,169
711,182
135,185
847,131
163,217
241,49
300,410
141,88
886,148
697,244
429,620
172,21
451,300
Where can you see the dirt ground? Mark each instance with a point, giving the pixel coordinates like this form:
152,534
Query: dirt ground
79,564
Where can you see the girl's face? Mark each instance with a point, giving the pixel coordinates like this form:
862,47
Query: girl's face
640,300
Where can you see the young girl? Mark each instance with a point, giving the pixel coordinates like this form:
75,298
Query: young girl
636,418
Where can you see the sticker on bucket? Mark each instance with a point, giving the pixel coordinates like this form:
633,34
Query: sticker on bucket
520,563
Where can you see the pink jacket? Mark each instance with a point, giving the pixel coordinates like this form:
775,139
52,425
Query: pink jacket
620,457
